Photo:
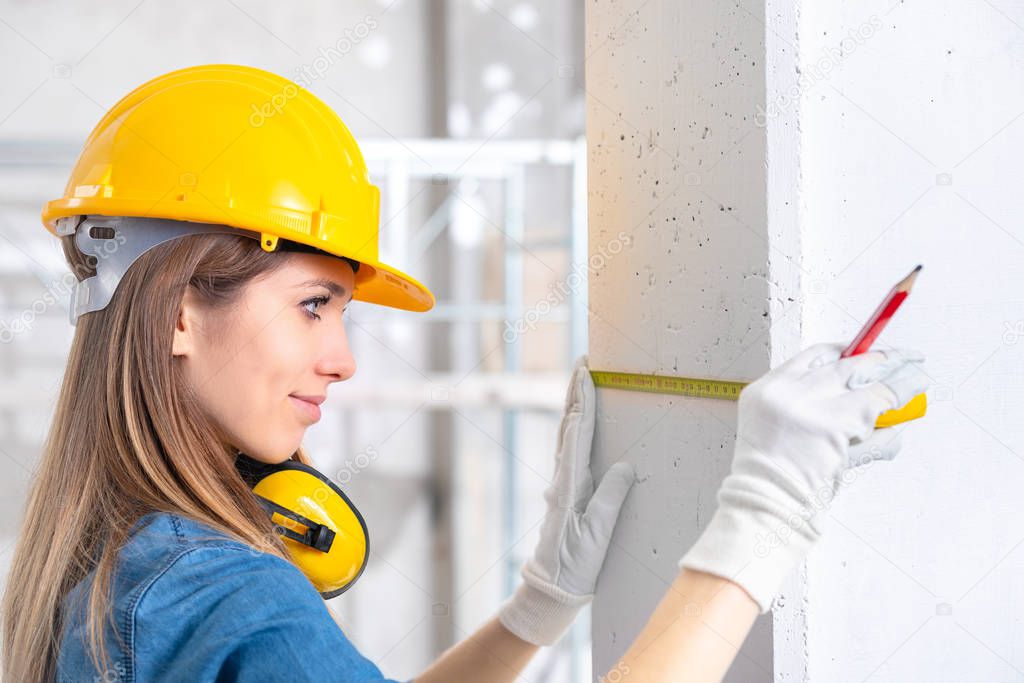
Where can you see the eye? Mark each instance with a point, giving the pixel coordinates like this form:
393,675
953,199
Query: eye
315,302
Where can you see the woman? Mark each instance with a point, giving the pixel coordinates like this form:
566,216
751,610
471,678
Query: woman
219,221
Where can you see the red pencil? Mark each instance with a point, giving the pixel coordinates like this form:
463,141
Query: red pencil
880,318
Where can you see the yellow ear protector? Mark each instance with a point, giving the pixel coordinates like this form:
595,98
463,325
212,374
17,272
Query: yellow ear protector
321,528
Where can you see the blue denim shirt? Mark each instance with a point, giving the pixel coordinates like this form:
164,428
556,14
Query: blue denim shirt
191,604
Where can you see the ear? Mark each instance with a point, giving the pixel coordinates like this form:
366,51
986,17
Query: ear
186,326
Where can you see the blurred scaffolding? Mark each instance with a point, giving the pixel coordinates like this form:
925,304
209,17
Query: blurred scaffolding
470,115
446,434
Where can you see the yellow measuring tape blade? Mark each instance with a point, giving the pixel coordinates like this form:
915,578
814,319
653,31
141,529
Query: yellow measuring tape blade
661,384
696,387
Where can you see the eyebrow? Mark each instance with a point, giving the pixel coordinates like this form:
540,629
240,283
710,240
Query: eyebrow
330,285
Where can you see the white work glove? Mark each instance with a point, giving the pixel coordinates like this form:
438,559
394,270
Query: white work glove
559,579
800,428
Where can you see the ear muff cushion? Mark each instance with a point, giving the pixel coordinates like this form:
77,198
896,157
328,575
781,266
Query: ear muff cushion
309,493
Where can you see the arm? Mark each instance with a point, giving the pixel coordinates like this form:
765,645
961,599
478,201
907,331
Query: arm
559,579
694,633
491,655
698,627
800,428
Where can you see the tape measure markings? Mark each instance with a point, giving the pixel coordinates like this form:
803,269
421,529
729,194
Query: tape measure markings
694,387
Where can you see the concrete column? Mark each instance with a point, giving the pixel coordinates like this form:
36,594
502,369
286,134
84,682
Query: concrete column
681,253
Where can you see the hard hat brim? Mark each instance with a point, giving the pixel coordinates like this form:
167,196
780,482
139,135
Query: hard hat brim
376,282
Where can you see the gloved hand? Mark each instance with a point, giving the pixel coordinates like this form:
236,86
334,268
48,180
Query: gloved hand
800,428
559,579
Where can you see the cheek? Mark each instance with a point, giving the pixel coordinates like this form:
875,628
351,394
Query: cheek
249,379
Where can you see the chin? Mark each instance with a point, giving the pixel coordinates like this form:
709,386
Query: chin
276,453
283,454
271,459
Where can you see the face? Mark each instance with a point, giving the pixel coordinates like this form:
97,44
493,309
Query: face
261,366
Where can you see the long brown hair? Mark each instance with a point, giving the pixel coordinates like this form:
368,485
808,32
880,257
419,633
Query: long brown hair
128,437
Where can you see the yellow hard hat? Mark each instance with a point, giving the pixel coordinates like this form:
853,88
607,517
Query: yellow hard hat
241,147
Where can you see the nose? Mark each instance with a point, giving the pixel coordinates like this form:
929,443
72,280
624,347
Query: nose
337,362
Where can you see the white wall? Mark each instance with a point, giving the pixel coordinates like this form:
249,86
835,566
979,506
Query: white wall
911,154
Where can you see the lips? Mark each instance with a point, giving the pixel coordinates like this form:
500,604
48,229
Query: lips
308,406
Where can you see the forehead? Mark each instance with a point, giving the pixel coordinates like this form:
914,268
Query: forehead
317,270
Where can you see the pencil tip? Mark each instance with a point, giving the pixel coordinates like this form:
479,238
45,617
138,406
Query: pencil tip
908,281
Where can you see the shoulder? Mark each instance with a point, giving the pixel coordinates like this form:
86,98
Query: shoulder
176,582
174,531
178,558
214,606
202,561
